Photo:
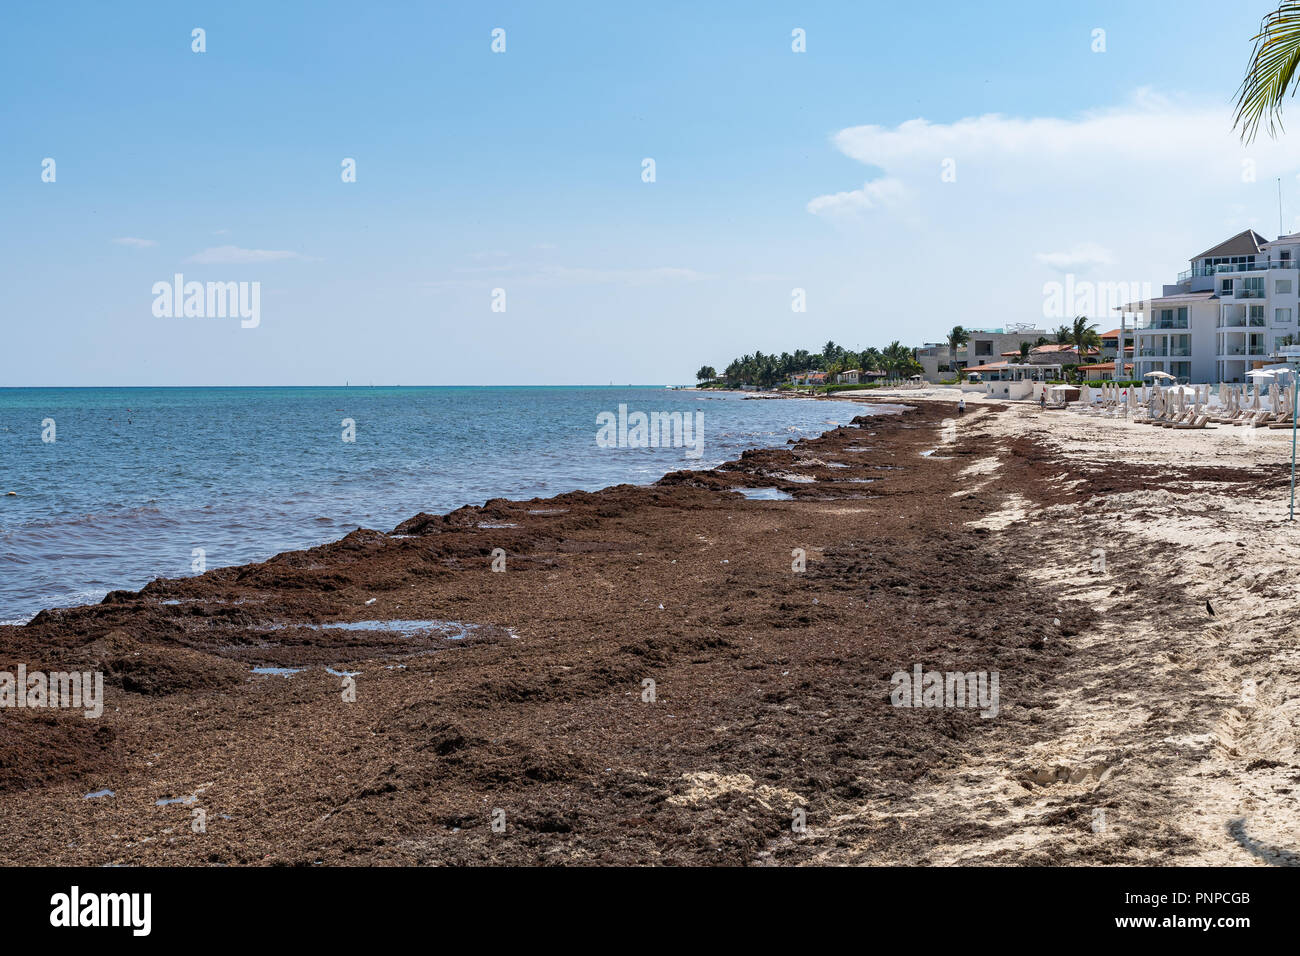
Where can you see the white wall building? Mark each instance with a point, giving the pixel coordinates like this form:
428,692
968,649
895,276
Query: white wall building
1230,312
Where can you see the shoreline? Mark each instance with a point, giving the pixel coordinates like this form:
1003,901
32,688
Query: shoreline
772,686
296,537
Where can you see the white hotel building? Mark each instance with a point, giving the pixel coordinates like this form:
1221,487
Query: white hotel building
1230,312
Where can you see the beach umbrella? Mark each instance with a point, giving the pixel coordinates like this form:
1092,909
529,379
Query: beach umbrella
1157,374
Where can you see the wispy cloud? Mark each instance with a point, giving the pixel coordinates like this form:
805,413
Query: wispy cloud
135,243
1083,255
1000,205
228,255
874,194
568,275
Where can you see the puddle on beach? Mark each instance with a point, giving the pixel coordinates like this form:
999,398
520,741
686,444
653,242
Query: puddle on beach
99,793
765,494
931,454
453,630
404,628
549,511
450,630
487,525
168,801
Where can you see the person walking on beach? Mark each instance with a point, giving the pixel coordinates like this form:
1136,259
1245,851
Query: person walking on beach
961,406
1042,400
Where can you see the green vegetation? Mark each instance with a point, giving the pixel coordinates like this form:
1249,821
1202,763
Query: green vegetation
895,360
1272,72
957,338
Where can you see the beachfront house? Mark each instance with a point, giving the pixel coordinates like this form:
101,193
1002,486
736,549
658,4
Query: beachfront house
1110,344
1231,312
1007,371
986,346
849,376
936,362
1103,371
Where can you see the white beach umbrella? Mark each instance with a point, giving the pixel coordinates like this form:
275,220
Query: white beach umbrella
1157,374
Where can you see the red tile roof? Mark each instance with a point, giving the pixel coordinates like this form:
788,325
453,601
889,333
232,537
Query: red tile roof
1105,366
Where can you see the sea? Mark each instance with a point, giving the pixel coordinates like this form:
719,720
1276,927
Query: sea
113,487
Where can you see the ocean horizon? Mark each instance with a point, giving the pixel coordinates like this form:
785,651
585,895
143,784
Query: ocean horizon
115,486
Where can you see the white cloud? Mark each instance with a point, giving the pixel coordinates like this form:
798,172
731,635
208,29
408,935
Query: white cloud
570,275
873,195
585,276
135,243
1079,256
1126,193
227,255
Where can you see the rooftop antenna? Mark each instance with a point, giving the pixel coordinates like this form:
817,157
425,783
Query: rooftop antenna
1280,230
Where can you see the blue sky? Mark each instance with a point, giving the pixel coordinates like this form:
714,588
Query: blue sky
775,170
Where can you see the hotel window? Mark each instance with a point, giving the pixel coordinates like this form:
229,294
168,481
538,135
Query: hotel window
1225,286
1257,315
1283,286
1182,316
1255,285
1281,316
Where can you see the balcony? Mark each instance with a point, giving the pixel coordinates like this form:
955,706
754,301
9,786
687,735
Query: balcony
1153,353
1248,294
1224,267
1232,350
1180,351
1156,325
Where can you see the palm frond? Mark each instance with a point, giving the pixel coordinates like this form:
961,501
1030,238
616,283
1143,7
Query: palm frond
1272,72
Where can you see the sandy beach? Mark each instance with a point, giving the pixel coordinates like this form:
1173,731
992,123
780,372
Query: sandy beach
1129,586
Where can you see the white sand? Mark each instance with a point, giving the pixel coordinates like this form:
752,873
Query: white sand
1173,734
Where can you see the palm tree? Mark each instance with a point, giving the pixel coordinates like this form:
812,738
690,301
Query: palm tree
1062,334
706,374
897,358
1083,337
1272,72
956,339
1024,352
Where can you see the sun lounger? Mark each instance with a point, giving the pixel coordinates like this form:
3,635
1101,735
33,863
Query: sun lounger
1182,419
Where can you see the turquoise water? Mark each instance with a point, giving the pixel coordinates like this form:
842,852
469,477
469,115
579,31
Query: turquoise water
136,479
